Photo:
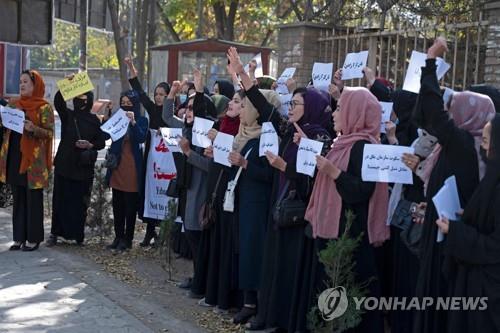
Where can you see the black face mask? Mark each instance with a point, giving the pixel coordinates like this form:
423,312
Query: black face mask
79,104
482,153
127,107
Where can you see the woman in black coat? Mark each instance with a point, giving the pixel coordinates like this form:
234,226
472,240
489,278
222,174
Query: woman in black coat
473,245
454,155
154,110
81,138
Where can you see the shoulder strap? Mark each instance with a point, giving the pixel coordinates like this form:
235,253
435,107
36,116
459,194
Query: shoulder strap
77,128
214,193
240,168
282,195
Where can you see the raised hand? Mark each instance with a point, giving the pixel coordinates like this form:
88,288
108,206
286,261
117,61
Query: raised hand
369,76
198,85
298,135
235,61
438,48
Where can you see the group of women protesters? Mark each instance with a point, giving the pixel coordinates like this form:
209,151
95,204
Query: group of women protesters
252,258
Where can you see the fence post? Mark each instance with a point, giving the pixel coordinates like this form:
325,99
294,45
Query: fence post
372,52
492,61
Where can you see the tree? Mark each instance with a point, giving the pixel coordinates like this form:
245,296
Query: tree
119,42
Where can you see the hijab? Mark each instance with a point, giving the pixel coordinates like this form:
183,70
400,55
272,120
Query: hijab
403,104
228,125
489,91
81,105
249,126
360,116
226,88
471,112
31,107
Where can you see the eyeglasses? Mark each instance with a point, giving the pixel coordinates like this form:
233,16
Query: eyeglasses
293,104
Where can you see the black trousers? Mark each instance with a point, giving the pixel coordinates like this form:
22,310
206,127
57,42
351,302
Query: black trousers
125,206
27,214
193,238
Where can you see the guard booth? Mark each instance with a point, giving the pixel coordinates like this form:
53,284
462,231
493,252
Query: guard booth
175,61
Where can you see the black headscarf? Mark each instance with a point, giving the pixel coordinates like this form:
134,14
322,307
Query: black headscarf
165,87
404,102
480,210
226,88
82,105
490,91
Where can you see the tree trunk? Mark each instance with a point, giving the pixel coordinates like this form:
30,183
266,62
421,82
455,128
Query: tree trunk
382,20
220,19
151,37
119,42
83,34
141,39
199,12
170,27
233,8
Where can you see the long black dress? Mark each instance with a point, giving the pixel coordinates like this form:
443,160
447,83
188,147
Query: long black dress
73,181
458,157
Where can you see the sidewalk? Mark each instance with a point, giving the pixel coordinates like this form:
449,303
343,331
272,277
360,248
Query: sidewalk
50,290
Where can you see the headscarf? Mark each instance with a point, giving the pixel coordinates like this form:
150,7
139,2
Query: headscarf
226,88
386,83
403,105
315,121
249,126
31,106
265,82
84,106
165,87
360,116
133,96
489,91
470,111
228,125
220,103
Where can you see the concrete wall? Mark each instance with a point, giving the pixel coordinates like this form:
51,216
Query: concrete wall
492,61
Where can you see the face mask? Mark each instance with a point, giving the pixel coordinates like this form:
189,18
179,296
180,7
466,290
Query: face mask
482,153
79,104
183,98
127,108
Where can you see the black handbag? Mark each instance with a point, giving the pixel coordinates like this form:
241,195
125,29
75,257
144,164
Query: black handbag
290,211
172,189
402,216
110,161
411,232
208,212
87,157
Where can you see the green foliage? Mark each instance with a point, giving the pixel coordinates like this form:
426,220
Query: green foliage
64,53
165,235
339,264
99,218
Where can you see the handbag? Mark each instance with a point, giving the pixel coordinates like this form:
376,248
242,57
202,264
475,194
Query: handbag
172,189
208,213
402,216
229,196
111,160
87,157
290,211
403,220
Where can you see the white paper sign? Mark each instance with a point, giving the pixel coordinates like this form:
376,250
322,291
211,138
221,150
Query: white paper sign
287,74
322,75
414,72
447,202
386,114
117,125
258,71
223,145
172,137
306,156
268,139
383,163
285,104
160,170
201,127
12,119
354,64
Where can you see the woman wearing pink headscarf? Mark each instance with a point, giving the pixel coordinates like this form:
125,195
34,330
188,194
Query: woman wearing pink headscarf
339,189
458,132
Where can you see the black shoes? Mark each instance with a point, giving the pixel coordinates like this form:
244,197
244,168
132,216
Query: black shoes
147,239
113,245
244,315
186,284
16,247
52,241
26,248
124,245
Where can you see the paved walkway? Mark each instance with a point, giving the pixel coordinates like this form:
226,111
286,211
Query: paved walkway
52,291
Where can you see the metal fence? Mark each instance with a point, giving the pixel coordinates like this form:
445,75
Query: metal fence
390,50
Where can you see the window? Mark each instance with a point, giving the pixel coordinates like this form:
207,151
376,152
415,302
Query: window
13,58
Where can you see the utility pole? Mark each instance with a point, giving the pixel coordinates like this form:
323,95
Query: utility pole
84,17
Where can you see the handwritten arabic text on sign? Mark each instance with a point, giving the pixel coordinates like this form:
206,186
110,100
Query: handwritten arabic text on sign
322,75
172,137
12,119
306,156
117,125
383,163
268,139
201,127
353,65
287,74
414,72
386,114
80,84
223,145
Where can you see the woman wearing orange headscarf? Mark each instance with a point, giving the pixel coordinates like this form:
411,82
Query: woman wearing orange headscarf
26,160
